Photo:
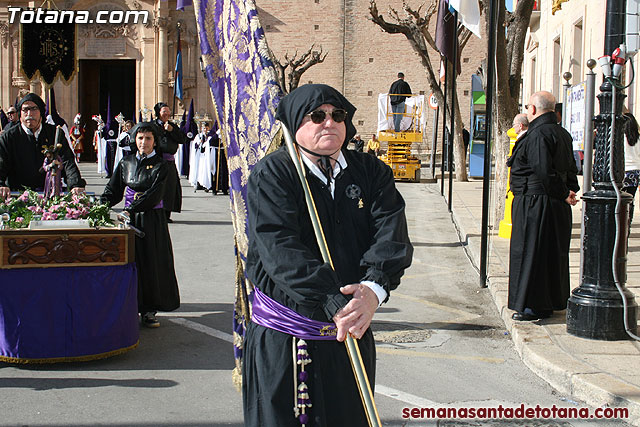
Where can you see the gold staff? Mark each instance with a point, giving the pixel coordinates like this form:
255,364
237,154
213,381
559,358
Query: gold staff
352,345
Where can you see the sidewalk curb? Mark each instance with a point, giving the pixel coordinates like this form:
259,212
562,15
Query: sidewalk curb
537,349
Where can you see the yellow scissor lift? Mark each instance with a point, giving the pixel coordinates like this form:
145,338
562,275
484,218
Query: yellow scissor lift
405,166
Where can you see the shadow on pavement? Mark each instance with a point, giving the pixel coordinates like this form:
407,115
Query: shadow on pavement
441,245
40,384
198,222
377,325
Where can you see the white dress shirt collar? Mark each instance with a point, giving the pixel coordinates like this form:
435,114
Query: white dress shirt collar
341,164
29,132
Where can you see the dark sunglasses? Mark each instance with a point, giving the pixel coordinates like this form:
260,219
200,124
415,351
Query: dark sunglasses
319,116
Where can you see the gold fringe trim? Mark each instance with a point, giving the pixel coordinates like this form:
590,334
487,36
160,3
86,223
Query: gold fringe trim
236,378
69,359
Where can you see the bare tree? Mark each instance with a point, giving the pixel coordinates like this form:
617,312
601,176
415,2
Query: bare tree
291,69
509,57
417,28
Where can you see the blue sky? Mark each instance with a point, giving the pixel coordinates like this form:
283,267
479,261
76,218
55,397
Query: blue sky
509,4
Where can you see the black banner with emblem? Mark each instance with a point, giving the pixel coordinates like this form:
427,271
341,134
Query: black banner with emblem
49,49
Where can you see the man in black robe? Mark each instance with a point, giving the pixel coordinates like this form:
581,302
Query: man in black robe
221,178
544,185
21,147
364,224
169,139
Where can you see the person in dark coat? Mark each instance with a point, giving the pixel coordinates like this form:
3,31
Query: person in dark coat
364,223
544,185
169,139
14,118
21,155
399,92
141,180
221,177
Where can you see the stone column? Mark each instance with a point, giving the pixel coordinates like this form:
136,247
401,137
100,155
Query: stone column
5,62
147,81
162,90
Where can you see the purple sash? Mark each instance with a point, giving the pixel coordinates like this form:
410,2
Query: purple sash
273,315
169,157
130,195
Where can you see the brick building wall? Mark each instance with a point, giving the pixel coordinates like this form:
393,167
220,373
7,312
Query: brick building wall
362,60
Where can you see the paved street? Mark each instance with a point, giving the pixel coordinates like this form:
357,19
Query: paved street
440,340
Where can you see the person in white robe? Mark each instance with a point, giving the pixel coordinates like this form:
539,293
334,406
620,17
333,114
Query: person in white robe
202,160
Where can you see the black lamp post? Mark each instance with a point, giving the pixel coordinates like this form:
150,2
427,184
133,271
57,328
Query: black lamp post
595,309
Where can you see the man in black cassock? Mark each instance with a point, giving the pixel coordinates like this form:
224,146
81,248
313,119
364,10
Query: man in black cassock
544,185
362,215
21,154
169,139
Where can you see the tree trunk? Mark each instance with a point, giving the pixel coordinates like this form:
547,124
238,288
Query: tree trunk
509,57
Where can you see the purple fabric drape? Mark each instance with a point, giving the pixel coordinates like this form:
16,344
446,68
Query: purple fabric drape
67,312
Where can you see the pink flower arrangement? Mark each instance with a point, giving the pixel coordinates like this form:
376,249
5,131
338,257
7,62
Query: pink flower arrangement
33,206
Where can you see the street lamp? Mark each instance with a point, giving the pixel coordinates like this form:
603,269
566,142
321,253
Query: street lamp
601,307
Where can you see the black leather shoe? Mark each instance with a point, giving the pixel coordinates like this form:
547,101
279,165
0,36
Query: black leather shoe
518,315
527,317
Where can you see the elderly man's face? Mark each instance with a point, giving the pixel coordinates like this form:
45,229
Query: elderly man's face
12,115
165,114
30,115
325,138
531,110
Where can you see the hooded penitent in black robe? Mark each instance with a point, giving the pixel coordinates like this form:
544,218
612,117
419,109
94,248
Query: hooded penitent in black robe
542,173
21,159
157,283
168,143
221,178
366,233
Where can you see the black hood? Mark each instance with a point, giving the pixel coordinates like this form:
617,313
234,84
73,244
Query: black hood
36,100
158,107
307,98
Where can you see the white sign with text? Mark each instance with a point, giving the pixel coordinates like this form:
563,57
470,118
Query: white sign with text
575,110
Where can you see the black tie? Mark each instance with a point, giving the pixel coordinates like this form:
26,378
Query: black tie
324,163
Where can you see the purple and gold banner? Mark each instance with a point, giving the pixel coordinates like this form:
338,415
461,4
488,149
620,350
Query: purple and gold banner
245,95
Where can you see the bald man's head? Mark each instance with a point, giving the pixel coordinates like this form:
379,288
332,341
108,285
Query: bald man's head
520,123
540,103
